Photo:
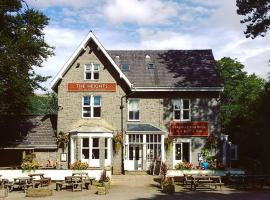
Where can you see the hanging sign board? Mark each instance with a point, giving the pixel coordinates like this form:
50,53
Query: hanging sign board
98,87
188,129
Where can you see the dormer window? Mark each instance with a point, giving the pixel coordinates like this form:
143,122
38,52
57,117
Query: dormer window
151,66
125,68
91,71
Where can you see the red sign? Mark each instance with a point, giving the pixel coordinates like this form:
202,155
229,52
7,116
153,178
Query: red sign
100,87
188,129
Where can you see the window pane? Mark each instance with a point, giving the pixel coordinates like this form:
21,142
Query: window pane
106,142
96,67
85,153
186,152
96,75
177,104
85,142
86,100
97,111
86,112
186,114
95,153
137,153
95,142
130,115
96,100
177,114
88,75
186,104
177,151
136,115
88,67
106,153
130,153
134,105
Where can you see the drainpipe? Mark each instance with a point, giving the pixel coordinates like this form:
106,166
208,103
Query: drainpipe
122,125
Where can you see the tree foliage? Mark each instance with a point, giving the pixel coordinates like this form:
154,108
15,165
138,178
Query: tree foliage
245,115
22,47
43,104
257,14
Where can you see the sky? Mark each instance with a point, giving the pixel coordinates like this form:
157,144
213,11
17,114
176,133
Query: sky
151,24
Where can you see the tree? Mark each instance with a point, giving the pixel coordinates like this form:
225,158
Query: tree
22,47
258,16
240,91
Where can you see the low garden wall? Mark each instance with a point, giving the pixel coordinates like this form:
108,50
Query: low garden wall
55,174
174,172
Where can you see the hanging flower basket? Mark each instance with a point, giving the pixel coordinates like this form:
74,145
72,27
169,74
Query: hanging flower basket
62,140
118,142
168,142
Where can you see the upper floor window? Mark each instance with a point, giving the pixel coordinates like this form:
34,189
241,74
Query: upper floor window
91,71
181,109
133,110
91,106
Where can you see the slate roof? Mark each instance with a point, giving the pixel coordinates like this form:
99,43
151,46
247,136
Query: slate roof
173,68
142,128
38,133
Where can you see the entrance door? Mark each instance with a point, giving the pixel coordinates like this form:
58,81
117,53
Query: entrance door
136,155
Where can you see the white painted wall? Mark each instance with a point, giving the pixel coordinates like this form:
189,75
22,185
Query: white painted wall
54,174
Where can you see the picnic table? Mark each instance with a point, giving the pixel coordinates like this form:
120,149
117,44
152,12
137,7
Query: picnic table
203,180
249,180
75,182
87,181
39,180
22,183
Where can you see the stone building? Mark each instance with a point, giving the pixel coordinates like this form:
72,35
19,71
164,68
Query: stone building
145,96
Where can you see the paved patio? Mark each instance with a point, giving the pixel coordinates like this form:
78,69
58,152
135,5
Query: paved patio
142,187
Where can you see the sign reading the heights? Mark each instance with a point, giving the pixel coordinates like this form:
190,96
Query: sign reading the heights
99,87
188,129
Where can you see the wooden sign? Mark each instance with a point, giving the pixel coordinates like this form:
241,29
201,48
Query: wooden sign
189,129
99,87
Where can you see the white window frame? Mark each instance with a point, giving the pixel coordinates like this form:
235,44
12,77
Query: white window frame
92,71
134,120
182,110
91,106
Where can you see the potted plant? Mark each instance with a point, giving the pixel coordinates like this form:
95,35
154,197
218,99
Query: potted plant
118,142
103,184
62,140
168,186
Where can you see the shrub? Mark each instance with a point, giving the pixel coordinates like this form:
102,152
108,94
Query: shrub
78,165
168,186
184,165
30,162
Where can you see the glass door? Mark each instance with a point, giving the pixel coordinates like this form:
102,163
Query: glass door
136,155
